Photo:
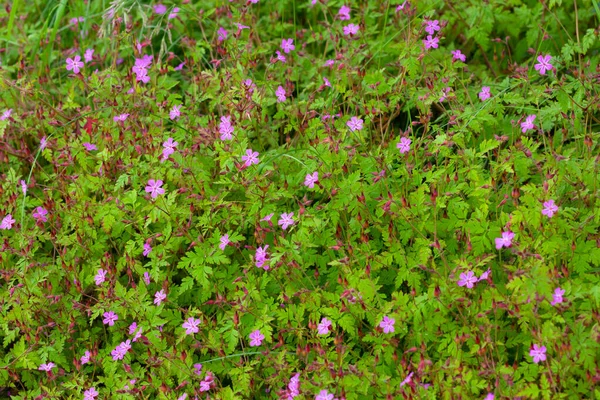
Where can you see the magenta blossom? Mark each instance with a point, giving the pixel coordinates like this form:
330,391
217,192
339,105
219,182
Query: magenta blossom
485,93
280,56
344,13
226,128
88,55
7,222
557,297
6,114
85,358
351,30
324,395
256,338
458,55
74,64
100,277
173,13
543,64
469,279
198,369
311,179
287,45
90,394
90,146
40,214
121,117
485,275
432,26
119,352
175,112
159,297
549,208
404,145
109,318
168,148
250,158
260,257
538,353
406,380
286,220
146,278
147,249
224,241
191,326
505,240
431,43
23,187
222,34
154,188
387,324
528,123
160,9
324,327
355,124
47,367
280,93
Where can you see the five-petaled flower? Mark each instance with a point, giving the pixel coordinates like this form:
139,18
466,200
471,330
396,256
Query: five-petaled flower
287,45
222,34
404,145
351,30
505,240
175,112
260,257
324,327
224,241
387,324
324,395
485,93
557,297
40,214
121,117
90,394
88,55
250,158
544,64
538,353
168,148
311,179
74,64
47,367
159,297
256,338
528,123
100,277
226,128
6,114
406,380
549,208
467,279
286,220
198,369
109,318
147,249
119,352
191,325
280,94
431,42
432,26
90,146
355,124
154,188
344,13
7,222
458,55
85,358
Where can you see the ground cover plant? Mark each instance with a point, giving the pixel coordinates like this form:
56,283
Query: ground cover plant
299,199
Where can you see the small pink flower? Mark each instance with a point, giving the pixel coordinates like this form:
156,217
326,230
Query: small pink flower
329,63
260,257
280,57
121,350
47,367
549,208
90,146
224,241
355,124
485,275
268,217
159,297
287,45
40,214
132,327
351,30
90,394
311,179
179,67
505,240
557,297
100,277
469,279
85,358
222,34
485,93
226,128
168,148
406,380
432,26
43,143
431,43
286,220
173,14
324,327
538,353
154,188
458,55
121,117
23,187
88,55
344,13
250,158
544,64
198,369
109,318
387,324
326,82
490,396
404,145
74,64
324,395
280,93
175,112
191,326
147,249
6,114
528,123
146,278
256,338
7,222
160,9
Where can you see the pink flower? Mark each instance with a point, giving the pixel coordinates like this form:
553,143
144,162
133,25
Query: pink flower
132,327
198,369
355,124
85,358
100,277
43,143
168,148
458,55
109,318
294,386
485,93
23,187
224,241
324,395
160,9
280,57
329,63
268,217
344,13
549,208
311,179
121,117
528,123
260,257
173,14
431,42
250,158
159,297
191,326
88,55
387,324
182,397
74,64
154,188
287,45
324,327
505,240
445,92
280,93
490,396
7,222
119,352
404,145
146,278
406,380
326,82
47,367
179,67
432,26
226,128
485,275
175,112
222,34
538,353
351,30
544,64
557,297
40,214
286,220
90,394
6,114
89,146
401,6
469,279
256,338
147,249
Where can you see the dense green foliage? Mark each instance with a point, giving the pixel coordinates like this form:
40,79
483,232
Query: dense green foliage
451,239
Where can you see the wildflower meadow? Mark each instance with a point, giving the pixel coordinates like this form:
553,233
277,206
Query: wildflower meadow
311,199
